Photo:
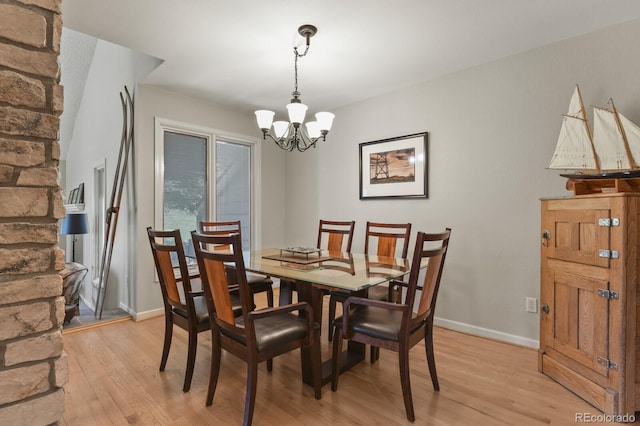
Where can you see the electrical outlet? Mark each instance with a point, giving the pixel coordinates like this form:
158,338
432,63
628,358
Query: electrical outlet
531,304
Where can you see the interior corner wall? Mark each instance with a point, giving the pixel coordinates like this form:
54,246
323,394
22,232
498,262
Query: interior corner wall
96,137
157,102
492,131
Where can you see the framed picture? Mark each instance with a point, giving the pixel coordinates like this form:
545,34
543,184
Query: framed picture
394,167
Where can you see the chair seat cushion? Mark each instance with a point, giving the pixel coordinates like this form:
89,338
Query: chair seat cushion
258,283
378,292
274,330
202,313
376,322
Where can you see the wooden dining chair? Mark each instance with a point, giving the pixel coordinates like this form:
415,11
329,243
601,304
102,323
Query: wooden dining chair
389,240
182,307
335,233
257,283
395,326
257,335
334,236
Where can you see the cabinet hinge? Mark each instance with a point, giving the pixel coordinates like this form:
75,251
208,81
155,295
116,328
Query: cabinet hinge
607,363
608,294
609,221
609,254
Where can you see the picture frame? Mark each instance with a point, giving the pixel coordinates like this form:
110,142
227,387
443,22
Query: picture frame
395,167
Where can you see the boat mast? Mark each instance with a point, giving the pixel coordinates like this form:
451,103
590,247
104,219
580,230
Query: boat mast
627,150
583,112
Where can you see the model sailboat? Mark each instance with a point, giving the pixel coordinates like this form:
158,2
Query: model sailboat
613,152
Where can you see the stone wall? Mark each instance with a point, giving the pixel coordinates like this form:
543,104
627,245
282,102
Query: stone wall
33,366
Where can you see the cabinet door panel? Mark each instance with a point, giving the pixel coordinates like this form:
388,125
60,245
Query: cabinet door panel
575,236
578,319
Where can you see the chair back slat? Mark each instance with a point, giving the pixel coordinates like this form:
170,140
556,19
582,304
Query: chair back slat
335,242
387,246
431,283
222,271
335,232
388,235
166,247
219,287
221,229
165,268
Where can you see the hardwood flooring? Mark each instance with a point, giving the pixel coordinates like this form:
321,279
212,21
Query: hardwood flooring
114,380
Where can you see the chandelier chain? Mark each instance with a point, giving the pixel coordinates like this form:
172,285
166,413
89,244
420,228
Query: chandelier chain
295,67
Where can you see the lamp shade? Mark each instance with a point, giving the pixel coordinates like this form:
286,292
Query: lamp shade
325,120
264,118
281,129
74,223
297,112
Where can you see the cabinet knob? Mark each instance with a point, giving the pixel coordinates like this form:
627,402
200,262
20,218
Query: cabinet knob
545,308
546,236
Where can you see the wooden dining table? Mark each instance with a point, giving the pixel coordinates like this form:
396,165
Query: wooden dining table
316,271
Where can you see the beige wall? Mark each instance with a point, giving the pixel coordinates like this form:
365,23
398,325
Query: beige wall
96,138
492,132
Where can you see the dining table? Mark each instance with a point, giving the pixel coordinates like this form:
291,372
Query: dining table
314,271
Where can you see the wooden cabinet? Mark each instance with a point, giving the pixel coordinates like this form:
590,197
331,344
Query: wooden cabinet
589,309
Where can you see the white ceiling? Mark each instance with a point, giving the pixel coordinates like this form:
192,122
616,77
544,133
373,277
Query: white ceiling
240,51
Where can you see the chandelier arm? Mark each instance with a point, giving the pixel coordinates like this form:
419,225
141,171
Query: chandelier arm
297,138
307,142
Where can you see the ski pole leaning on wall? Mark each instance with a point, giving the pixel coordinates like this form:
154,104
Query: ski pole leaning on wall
113,211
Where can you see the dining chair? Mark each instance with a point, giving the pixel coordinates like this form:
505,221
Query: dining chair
395,326
257,283
389,240
257,335
334,236
182,306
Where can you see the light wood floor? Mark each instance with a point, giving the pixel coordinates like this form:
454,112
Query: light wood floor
114,379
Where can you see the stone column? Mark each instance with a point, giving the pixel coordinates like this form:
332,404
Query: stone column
33,366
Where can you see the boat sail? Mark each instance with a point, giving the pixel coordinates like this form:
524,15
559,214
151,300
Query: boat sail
575,149
616,140
612,152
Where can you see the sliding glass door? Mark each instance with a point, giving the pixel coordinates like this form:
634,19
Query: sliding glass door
185,184
202,175
233,185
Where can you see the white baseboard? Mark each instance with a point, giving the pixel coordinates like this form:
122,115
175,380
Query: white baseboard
485,332
139,316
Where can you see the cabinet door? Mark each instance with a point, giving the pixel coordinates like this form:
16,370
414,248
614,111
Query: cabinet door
576,323
575,236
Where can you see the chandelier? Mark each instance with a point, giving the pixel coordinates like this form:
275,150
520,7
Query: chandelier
290,135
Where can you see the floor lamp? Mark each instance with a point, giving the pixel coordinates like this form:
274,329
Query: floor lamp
74,224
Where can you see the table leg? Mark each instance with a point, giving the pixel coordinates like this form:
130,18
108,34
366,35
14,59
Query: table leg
286,292
355,351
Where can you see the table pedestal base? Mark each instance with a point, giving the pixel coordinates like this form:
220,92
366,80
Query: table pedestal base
355,352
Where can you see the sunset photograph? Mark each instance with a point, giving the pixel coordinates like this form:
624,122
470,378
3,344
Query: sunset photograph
392,166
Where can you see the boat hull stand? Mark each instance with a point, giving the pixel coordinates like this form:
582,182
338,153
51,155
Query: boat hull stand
582,184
